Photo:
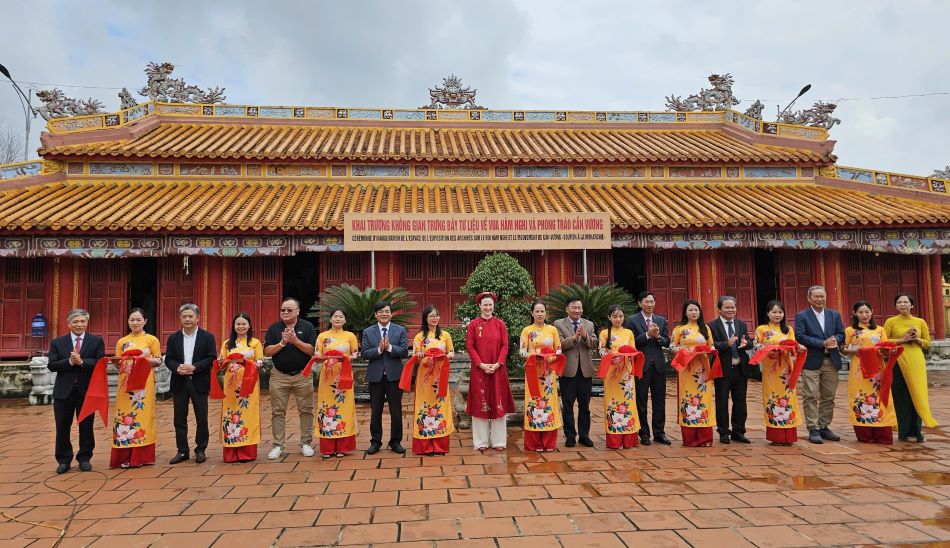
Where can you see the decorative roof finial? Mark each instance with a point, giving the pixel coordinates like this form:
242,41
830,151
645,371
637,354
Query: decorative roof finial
452,95
718,98
162,87
819,115
942,173
57,105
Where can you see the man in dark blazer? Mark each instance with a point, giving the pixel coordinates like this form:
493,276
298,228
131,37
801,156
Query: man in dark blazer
73,357
652,335
821,331
578,339
731,340
384,345
189,355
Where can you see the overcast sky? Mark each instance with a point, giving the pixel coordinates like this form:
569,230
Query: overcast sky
518,54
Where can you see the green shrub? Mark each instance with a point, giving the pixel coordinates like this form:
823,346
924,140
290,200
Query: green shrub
501,274
359,306
596,301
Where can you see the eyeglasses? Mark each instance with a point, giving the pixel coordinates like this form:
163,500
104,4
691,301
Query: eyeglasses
288,309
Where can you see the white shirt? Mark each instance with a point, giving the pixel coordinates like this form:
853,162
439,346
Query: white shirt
189,346
821,318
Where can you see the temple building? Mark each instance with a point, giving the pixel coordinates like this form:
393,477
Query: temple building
234,206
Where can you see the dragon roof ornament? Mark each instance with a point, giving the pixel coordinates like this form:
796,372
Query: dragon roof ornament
942,173
819,115
451,95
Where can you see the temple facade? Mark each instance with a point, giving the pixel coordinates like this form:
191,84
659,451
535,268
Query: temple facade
233,207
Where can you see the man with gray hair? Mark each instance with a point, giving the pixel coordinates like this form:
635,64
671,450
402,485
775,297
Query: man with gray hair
821,331
73,357
189,355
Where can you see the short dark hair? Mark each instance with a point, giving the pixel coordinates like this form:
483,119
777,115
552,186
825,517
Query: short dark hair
572,300
909,298
296,302
644,295
381,305
722,300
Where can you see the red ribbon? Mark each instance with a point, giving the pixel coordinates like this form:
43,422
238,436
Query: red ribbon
787,346
97,395
872,364
251,375
685,356
532,372
346,372
438,358
632,358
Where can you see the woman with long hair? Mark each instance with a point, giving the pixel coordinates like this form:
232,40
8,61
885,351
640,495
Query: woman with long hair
617,368
782,360
489,394
541,348
432,351
871,413
909,390
240,357
336,426
696,363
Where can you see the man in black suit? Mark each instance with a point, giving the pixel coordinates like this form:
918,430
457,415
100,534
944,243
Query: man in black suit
731,340
189,355
651,336
384,345
73,357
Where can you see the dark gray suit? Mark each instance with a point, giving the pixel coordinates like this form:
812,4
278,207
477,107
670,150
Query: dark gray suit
654,372
69,393
382,376
735,378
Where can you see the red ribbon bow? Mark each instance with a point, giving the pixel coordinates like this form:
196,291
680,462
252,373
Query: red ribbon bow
701,352
248,382
532,370
346,372
786,347
97,395
873,364
632,358
437,358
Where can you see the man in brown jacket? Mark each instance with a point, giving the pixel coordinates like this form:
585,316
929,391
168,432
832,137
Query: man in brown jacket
577,341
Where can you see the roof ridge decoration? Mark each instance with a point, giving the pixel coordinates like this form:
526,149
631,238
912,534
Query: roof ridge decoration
452,96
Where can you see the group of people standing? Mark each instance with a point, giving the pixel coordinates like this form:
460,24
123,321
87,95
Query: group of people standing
887,379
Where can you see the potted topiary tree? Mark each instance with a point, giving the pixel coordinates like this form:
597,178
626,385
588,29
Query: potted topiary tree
501,274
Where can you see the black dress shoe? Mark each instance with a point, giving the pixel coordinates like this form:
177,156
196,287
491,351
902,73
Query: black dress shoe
397,448
85,466
586,442
723,438
813,436
200,457
645,440
180,457
62,469
827,434
570,442
661,438
740,438
374,448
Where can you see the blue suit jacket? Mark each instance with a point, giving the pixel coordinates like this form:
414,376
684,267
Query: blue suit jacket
391,361
809,334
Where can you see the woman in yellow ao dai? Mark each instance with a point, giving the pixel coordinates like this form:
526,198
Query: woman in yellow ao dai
336,407
133,432
542,413
241,413
621,420
696,400
433,421
873,421
782,410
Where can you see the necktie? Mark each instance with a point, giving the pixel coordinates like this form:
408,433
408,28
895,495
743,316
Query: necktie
78,346
576,324
385,330
731,333
649,322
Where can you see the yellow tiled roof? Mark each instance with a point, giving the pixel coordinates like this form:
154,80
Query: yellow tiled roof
192,140
123,206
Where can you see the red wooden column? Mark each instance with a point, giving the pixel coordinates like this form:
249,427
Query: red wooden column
705,285
214,301
66,288
934,296
832,277
558,267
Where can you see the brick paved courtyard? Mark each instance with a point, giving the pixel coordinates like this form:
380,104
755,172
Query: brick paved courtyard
844,493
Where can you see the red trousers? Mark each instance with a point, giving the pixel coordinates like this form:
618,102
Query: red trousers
332,446
133,456
624,441
697,437
430,445
540,441
875,434
244,453
781,435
